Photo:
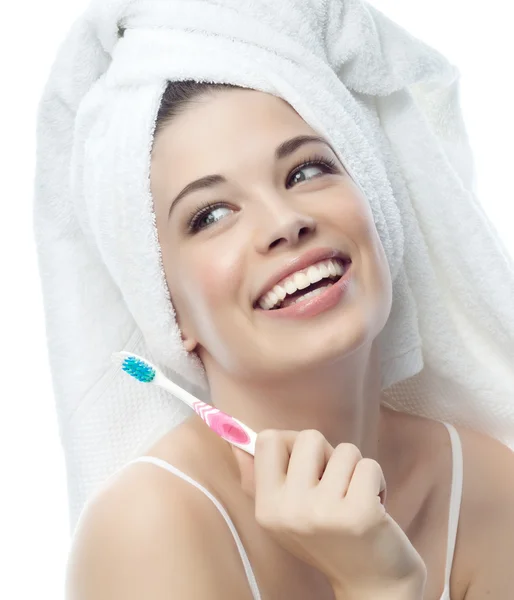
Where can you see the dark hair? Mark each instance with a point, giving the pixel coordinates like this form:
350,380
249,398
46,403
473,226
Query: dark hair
179,94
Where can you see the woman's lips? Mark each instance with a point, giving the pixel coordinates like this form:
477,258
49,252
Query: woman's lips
316,305
309,258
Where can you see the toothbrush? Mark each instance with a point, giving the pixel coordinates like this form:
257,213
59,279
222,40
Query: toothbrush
229,428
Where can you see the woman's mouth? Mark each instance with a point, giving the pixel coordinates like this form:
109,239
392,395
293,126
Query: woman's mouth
304,284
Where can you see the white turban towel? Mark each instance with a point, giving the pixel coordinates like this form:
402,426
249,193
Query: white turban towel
389,105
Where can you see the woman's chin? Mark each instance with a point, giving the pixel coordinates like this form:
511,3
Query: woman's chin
317,350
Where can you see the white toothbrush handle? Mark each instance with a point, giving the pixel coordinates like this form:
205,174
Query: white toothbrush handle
163,382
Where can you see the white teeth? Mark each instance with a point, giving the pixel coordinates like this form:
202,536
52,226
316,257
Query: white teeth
280,292
290,286
301,281
324,270
314,274
329,268
313,293
273,298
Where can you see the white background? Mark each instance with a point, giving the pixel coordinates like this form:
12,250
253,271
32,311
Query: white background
34,536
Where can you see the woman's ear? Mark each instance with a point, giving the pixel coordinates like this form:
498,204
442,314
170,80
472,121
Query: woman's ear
189,343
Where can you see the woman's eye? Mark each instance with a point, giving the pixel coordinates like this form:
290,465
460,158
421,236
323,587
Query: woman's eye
311,170
208,216
212,213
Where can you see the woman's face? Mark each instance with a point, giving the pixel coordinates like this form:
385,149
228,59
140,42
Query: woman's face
224,244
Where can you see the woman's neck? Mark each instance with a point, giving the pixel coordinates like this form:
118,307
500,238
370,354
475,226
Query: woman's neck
341,401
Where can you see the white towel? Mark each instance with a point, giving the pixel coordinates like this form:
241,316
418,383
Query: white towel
389,105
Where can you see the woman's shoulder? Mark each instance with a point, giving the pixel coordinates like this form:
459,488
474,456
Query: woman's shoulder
147,529
141,486
488,477
486,524
485,533
487,469
139,495
144,492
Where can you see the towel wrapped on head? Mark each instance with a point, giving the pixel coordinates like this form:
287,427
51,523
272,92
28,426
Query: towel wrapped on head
388,104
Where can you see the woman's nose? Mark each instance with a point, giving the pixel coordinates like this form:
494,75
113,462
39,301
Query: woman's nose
284,226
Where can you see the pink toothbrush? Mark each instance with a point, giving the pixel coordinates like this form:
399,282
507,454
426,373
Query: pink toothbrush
227,427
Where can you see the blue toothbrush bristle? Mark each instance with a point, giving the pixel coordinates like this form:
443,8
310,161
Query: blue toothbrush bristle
138,369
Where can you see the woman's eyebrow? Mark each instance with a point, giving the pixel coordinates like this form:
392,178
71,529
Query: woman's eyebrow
289,146
285,149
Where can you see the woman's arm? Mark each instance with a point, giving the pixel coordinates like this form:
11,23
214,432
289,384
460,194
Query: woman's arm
142,542
489,518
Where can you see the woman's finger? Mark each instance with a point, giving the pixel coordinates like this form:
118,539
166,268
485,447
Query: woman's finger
339,470
308,459
367,482
272,450
245,463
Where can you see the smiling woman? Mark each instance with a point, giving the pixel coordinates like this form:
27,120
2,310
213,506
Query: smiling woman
281,287
275,212
281,240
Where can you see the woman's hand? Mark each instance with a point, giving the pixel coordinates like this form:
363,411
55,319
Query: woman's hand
324,505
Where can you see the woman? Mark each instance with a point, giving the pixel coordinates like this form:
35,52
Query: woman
225,244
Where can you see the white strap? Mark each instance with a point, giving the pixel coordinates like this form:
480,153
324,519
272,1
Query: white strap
453,517
455,504
246,562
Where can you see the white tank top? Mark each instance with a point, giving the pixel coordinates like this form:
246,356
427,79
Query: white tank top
453,518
